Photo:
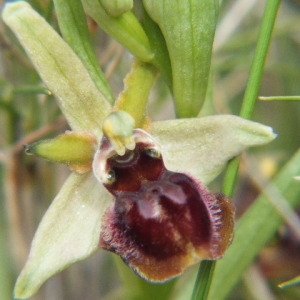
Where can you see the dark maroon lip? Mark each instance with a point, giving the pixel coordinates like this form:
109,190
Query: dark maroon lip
161,221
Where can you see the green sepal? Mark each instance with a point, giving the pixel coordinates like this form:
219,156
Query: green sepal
69,232
62,71
188,28
75,149
203,146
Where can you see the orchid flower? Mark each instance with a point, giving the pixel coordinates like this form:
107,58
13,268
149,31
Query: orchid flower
187,152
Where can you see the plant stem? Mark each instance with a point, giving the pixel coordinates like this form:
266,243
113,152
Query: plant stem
280,98
203,280
260,55
205,273
254,83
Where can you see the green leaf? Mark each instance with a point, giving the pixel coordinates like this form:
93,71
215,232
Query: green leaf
68,232
73,26
202,146
62,71
254,230
188,28
126,29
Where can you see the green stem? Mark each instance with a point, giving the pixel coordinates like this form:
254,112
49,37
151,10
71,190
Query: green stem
230,177
31,89
280,98
135,288
260,55
201,289
254,83
203,280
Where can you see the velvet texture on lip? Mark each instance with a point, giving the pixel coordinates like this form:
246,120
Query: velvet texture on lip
161,221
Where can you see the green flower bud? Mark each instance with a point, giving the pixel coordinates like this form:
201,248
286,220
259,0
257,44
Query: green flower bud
188,28
116,8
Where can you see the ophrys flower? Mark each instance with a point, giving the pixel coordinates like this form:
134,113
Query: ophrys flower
198,146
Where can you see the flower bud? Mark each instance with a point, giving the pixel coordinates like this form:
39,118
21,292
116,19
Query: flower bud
116,8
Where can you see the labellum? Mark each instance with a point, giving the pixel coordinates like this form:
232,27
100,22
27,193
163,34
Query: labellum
161,221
